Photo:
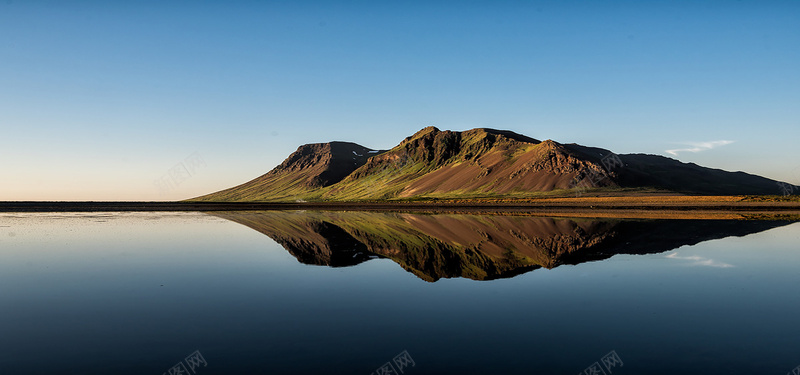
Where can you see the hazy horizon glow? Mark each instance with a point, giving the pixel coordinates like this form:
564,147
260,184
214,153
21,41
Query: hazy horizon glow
102,100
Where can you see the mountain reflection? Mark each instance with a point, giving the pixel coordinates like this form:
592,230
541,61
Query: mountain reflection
478,247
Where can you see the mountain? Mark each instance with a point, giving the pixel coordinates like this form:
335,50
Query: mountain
474,162
478,163
311,167
479,247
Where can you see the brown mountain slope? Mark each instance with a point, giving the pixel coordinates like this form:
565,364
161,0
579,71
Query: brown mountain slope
311,167
477,161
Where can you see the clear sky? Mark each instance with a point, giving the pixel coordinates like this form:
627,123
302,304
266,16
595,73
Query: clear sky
105,100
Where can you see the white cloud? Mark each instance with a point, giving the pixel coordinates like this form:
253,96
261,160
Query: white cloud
700,261
699,146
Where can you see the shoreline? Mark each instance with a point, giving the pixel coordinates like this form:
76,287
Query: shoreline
685,207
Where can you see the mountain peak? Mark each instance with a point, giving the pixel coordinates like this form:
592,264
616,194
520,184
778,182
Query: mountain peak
432,131
426,131
504,133
328,162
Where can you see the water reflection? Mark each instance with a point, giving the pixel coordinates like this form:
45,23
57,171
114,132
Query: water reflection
478,247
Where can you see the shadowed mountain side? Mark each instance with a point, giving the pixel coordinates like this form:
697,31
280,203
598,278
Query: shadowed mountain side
479,247
643,170
652,170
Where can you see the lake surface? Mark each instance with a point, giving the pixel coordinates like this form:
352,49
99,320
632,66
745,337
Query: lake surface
362,292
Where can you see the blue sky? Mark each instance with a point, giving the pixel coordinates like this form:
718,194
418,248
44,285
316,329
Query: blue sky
100,100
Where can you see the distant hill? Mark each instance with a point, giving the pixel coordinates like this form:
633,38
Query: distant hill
478,163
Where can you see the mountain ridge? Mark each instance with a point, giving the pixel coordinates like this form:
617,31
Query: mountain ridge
478,162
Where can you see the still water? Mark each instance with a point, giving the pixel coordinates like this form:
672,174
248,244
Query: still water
363,293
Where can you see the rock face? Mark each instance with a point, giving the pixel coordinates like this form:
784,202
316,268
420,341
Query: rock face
477,163
324,163
479,247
